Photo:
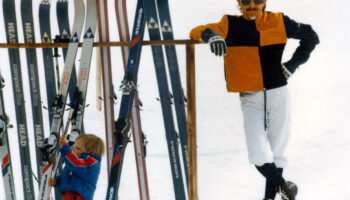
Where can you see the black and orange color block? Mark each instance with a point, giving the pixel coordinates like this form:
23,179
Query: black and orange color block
255,48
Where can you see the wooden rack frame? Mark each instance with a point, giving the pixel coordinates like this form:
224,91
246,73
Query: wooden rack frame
97,44
191,95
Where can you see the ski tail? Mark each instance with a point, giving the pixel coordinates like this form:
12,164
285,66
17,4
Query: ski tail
5,155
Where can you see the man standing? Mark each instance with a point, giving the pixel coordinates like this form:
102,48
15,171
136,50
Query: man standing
252,45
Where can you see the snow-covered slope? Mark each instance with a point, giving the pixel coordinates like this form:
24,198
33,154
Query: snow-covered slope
320,91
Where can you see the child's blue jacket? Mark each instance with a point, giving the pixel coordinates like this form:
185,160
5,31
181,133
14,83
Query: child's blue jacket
80,173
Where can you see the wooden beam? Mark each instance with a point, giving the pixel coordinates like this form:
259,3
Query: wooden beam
191,122
97,44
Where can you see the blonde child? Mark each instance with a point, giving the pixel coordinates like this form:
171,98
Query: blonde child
82,167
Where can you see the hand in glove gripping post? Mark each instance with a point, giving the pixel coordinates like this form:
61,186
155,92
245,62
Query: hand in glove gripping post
217,43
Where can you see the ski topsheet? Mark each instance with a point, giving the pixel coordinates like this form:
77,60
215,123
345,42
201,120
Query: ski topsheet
123,27
5,156
32,64
171,135
45,31
65,34
60,102
179,98
122,125
9,12
85,61
105,53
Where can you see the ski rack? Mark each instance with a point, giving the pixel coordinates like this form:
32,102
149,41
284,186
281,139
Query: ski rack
191,95
100,44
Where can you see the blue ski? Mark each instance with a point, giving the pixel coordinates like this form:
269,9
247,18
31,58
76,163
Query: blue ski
171,135
179,98
122,125
45,31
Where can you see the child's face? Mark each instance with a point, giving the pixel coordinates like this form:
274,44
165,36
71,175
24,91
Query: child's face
78,147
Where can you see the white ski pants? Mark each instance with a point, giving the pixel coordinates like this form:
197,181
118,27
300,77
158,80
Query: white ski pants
266,145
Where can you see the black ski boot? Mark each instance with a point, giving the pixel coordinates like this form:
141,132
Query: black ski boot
288,190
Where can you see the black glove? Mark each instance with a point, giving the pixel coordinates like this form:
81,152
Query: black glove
288,70
216,42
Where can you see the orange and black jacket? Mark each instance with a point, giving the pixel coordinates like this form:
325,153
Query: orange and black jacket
255,48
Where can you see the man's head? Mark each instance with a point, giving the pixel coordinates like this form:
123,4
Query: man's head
251,8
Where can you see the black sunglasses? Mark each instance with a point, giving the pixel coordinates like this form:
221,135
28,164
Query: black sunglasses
247,2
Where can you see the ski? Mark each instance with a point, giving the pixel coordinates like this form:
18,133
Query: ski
105,56
9,12
32,64
138,135
179,97
122,125
5,155
84,67
51,155
64,36
45,31
164,94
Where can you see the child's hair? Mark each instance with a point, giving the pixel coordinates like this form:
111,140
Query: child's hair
92,144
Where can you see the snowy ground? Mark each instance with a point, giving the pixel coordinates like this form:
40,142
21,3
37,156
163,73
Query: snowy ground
320,91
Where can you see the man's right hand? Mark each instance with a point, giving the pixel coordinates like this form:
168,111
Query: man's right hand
217,43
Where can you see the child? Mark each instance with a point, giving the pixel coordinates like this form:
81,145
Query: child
82,167
253,45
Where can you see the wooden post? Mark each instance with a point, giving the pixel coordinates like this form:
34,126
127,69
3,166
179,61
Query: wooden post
191,122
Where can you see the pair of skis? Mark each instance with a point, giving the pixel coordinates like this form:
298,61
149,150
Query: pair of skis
77,112
152,10
138,136
9,13
147,8
122,125
48,56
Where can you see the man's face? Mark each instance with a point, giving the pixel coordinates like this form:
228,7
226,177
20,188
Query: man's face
251,8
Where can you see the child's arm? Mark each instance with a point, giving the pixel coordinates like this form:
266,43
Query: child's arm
77,165
54,181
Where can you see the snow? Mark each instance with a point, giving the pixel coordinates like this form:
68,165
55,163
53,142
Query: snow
318,149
